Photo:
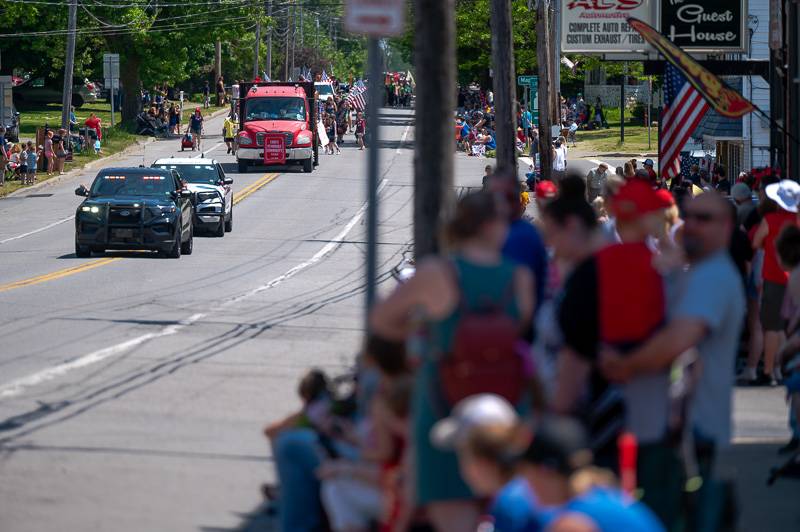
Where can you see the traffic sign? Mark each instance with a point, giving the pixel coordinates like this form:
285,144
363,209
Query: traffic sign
376,18
274,149
528,80
110,67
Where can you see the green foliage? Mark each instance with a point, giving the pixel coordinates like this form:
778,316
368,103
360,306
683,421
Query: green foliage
474,39
168,43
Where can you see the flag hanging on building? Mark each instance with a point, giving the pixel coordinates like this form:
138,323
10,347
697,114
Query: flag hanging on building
684,107
725,101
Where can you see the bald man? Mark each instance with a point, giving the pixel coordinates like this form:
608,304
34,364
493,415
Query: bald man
706,315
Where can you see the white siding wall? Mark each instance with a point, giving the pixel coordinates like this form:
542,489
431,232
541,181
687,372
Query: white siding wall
756,89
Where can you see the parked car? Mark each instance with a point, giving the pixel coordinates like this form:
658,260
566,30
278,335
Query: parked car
211,189
135,208
39,90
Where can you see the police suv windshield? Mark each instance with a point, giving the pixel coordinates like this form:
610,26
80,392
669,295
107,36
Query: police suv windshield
194,173
274,109
138,184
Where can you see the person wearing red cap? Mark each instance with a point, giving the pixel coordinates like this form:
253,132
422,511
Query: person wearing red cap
707,309
196,126
615,297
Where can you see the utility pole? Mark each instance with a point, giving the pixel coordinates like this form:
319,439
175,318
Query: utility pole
545,105
316,35
217,60
286,48
373,167
555,46
258,43
294,32
269,40
302,38
622,103
435,51
504,87
69,64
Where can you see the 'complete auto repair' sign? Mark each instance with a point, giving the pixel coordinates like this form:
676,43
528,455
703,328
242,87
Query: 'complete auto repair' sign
598,26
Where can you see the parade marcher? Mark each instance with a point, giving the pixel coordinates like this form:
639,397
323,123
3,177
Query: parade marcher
196,127
229,132
361,130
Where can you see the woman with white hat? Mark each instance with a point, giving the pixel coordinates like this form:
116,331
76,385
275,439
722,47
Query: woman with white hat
786,194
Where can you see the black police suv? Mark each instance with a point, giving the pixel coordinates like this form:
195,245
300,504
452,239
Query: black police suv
135,208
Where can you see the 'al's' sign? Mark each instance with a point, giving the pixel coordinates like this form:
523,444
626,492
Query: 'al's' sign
599,26
706,25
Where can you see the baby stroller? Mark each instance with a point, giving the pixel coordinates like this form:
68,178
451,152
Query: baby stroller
187,141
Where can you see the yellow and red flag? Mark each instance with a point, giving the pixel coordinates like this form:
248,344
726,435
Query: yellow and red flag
723,99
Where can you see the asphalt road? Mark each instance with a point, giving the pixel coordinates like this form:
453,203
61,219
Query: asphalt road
133,389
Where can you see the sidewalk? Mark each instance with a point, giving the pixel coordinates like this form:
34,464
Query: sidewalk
761,507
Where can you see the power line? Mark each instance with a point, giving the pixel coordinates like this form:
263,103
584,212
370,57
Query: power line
127,30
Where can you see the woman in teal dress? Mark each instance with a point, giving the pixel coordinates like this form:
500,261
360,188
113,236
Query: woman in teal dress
476,272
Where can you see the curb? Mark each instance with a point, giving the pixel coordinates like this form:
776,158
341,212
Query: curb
91,164
615,155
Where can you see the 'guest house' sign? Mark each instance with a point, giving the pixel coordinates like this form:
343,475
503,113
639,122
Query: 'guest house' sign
706,25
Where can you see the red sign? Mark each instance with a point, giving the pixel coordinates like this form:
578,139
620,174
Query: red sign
377,18
274,149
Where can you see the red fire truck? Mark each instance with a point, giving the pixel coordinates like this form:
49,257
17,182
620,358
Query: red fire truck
268,110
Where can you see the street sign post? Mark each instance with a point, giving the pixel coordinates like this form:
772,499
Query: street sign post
531,84
274,149
111,75
376,19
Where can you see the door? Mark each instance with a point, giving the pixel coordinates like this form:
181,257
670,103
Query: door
228,199
184,204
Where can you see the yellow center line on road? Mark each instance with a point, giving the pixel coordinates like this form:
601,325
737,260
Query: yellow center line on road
245,193
59,274
254,187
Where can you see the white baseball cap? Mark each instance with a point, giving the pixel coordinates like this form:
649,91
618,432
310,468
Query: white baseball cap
785,193
475,411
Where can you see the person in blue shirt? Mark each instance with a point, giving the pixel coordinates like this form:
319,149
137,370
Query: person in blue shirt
524,244
483,430
491,144
557,465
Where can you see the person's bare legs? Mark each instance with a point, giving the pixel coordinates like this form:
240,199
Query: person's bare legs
454,516
772,342
756,343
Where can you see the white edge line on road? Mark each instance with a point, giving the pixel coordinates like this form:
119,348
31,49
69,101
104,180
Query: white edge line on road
599,162
17,386
403,139
45,228
202,153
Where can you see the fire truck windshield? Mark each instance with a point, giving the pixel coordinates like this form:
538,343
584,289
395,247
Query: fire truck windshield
274,108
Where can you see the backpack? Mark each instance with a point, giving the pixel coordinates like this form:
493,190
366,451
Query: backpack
484,357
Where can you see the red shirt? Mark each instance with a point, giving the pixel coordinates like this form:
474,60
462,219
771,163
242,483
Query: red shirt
94,123
772,270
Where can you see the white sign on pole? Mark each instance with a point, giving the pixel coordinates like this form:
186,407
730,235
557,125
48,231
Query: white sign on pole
376,18
599,27
111,66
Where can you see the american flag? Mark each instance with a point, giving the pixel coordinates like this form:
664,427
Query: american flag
325,77
356,97
684,107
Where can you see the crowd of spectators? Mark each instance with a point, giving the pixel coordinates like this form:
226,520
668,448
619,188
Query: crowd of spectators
571,374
